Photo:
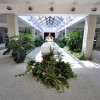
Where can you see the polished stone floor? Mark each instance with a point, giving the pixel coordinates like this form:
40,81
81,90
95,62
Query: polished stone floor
85,87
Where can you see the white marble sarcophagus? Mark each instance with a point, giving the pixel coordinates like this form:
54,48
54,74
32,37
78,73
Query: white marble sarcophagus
45,48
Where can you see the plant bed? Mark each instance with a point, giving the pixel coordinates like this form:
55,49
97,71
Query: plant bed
78,55
74,44
51,72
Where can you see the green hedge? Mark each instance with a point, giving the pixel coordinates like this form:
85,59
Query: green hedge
74,40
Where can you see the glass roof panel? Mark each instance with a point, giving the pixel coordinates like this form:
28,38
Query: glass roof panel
49,21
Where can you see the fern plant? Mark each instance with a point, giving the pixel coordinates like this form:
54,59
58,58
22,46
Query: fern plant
51,72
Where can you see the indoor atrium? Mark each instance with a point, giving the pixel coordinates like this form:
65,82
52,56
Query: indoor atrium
49,49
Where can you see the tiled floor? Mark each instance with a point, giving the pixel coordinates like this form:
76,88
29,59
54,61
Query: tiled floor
67,57
85,87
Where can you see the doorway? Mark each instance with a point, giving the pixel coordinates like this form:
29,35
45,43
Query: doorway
47,33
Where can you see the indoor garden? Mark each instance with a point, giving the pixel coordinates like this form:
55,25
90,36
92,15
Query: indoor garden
51,71
74,43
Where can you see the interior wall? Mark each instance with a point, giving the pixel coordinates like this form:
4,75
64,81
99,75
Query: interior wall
98,39
3,35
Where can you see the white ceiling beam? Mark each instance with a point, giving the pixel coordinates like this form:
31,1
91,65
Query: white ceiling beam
78,26
23,25
19,25
74,22
22,9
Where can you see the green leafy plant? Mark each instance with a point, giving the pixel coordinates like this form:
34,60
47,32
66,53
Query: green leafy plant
53,73
74,40
19,46
79,55
39,42
58,82
60,41
28,30
65,70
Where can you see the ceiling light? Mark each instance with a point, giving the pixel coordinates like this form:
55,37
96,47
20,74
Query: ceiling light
94,9
51,8
30,8
9,8
73,9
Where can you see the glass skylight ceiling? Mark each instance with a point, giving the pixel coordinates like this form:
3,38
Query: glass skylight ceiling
49,21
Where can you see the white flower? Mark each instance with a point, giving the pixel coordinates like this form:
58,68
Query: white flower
33,66
43,73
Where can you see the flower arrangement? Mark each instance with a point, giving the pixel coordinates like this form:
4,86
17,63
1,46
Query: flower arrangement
51,72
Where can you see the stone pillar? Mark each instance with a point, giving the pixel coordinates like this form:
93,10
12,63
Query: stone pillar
12,24
38,34
33,32
67,31
61,33
57,34
89,32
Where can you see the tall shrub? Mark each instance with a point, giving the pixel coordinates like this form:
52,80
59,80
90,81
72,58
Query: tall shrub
60,41
74,40
19,46
28,30
39,42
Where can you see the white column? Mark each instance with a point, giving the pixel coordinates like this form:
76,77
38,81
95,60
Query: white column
89,32
12,24
67,31
38,34
42,34
57,34
33,32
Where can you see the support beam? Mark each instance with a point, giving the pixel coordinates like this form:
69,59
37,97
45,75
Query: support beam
43,8
89,32
12,24
57,34
75,21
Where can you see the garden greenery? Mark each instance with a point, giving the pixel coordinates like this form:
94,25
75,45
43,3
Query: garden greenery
74,40
19,46
53,73
39,42
74,44
60,41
